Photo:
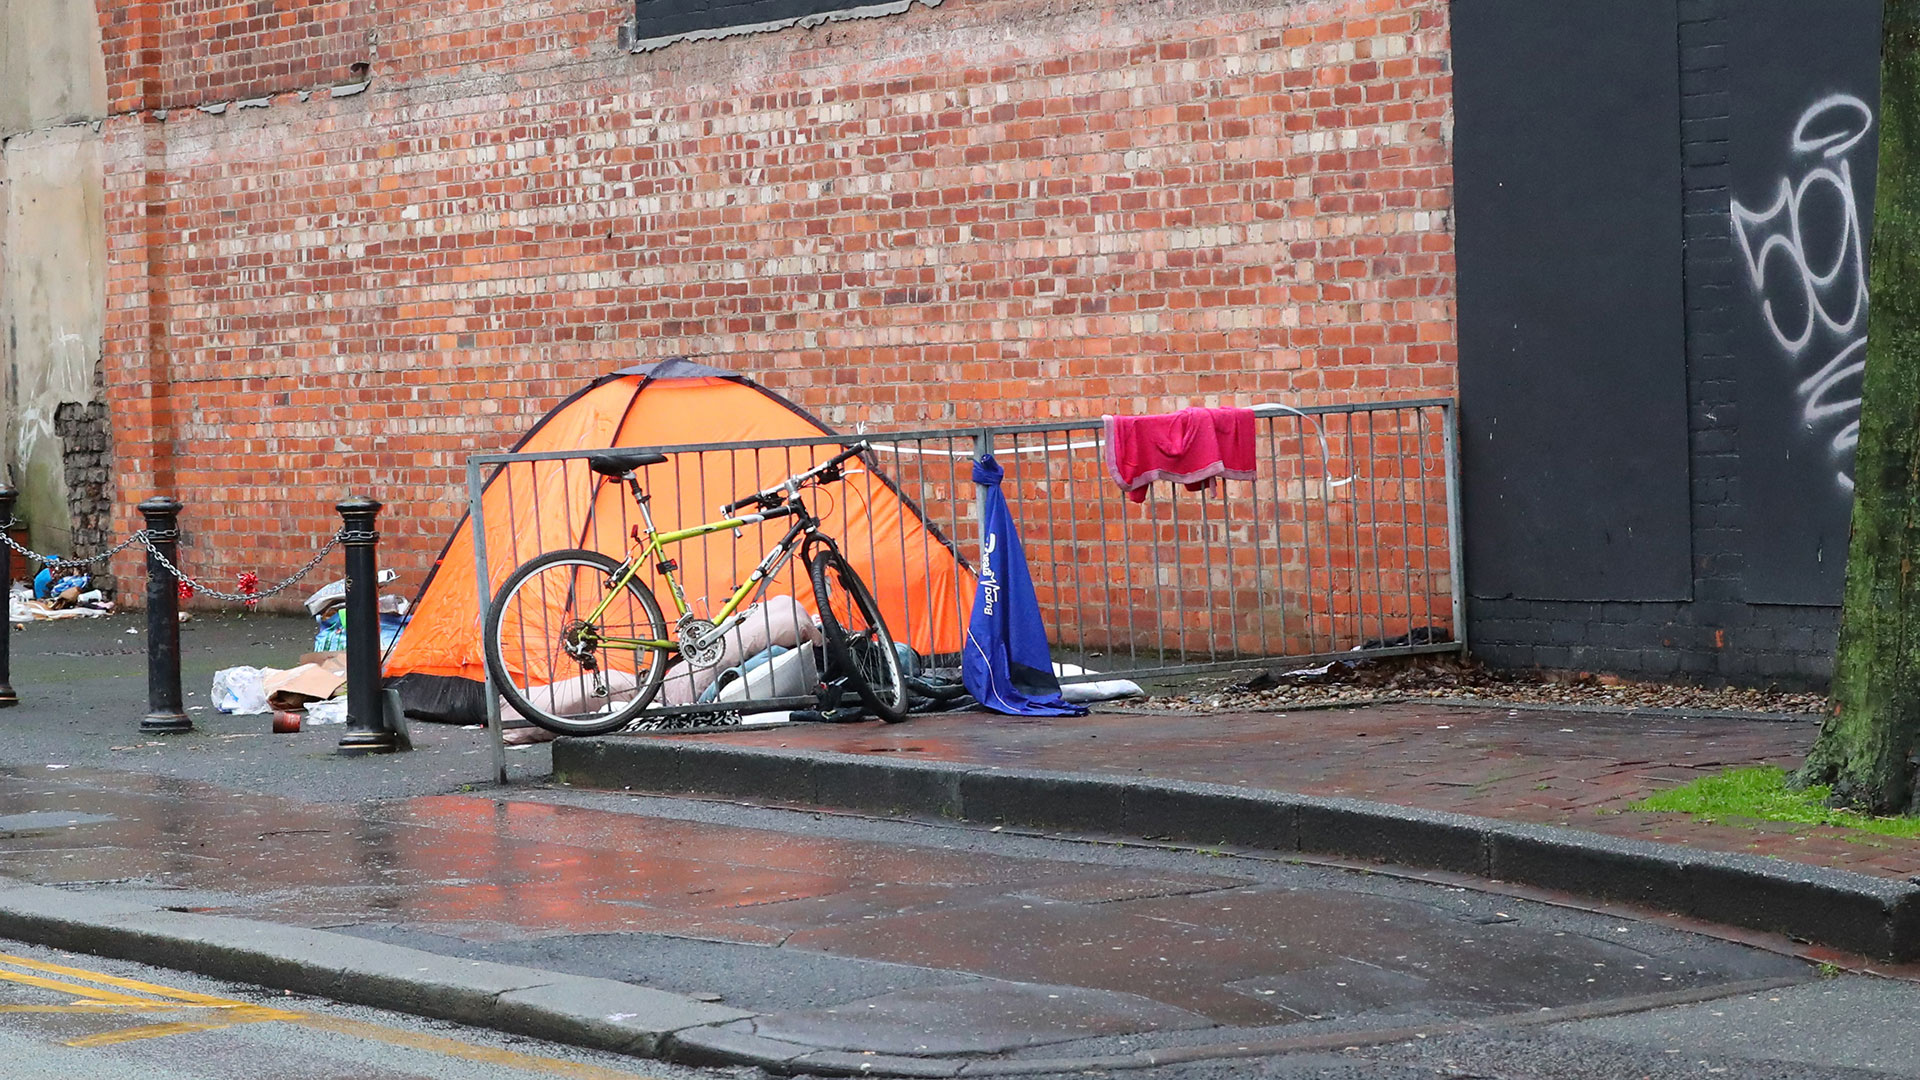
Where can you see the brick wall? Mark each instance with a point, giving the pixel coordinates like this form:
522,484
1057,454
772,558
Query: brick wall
172,54
985,211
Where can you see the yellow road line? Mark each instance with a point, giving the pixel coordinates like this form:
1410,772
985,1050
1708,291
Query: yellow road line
94,1007
89,992
240,1012
150,1031
113,980
420,1040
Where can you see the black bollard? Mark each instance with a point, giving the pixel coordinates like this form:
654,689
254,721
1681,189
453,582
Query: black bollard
7,697
165,716
367,731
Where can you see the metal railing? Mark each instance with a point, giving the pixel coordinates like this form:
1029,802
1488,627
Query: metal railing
1346,542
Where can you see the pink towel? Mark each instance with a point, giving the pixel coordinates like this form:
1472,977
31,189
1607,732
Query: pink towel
1195,447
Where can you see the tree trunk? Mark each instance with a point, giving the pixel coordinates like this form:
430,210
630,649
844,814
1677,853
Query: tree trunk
1864,746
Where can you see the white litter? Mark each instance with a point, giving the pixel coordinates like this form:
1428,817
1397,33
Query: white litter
241,691
1081,693
329,711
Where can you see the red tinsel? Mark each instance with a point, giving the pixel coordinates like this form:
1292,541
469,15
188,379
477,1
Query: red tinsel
186,591
249,585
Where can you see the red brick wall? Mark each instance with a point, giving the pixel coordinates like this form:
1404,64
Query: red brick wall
180,53
987,211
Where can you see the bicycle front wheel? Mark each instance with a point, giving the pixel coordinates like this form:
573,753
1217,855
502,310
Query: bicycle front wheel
858,644
558,666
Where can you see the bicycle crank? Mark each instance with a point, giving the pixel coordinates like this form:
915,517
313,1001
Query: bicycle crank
700,644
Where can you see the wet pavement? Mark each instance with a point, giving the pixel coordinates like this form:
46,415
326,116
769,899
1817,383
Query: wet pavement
855,935
924,939
1537,766
83,689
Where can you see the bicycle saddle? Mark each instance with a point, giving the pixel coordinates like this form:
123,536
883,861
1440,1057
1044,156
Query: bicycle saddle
621,462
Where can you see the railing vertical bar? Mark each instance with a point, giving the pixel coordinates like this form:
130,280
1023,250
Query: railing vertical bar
1075,557
584,538
507,472
1233,564
905,631
1177,556
1353,536
1206,557
1406,517
706,505
1053,532
1157,595
1456,558
1100,495
926,544
801,581
735,489
865,488
1373,522
1426,543
1306,535
1270,426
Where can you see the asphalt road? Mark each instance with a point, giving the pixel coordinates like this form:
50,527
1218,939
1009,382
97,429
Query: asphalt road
64,1016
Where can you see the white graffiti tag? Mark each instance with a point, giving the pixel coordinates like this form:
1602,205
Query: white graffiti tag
1807,258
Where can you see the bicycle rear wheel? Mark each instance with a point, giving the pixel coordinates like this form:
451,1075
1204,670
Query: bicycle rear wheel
858,644
550,663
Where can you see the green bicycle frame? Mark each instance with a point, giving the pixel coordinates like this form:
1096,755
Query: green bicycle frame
656,543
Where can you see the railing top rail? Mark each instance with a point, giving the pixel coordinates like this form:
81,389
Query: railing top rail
966,433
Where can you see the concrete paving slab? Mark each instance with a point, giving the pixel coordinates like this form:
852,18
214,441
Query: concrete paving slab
605,1014
987,1017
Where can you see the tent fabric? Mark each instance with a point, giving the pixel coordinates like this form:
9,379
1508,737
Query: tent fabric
1007,665
531,508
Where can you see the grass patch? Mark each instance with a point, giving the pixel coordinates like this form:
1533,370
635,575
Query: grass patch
1760,793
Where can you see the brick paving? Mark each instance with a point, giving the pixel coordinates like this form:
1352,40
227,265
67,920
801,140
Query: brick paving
1540,766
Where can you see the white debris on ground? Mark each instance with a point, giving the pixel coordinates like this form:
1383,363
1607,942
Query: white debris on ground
22,608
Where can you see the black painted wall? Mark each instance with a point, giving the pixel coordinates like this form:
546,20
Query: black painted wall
1739,578
655,20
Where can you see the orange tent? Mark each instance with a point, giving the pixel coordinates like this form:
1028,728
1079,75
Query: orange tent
924,588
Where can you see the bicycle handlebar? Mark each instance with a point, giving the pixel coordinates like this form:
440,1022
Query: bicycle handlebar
793,483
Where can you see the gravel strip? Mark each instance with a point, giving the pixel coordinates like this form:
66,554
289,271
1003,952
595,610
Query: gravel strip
1362,682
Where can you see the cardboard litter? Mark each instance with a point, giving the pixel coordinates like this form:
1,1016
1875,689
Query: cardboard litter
292,689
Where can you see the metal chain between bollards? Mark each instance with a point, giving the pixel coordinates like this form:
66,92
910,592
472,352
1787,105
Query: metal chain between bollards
146,538
242,598
55,562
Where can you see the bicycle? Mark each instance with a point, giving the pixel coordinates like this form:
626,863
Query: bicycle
582,621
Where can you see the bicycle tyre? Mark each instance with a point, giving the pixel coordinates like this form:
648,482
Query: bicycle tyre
863,654
502,634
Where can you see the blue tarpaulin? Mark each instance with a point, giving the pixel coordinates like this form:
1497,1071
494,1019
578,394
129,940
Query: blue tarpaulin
1007,665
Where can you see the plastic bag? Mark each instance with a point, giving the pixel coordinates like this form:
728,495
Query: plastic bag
330,711
240,690
332,633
